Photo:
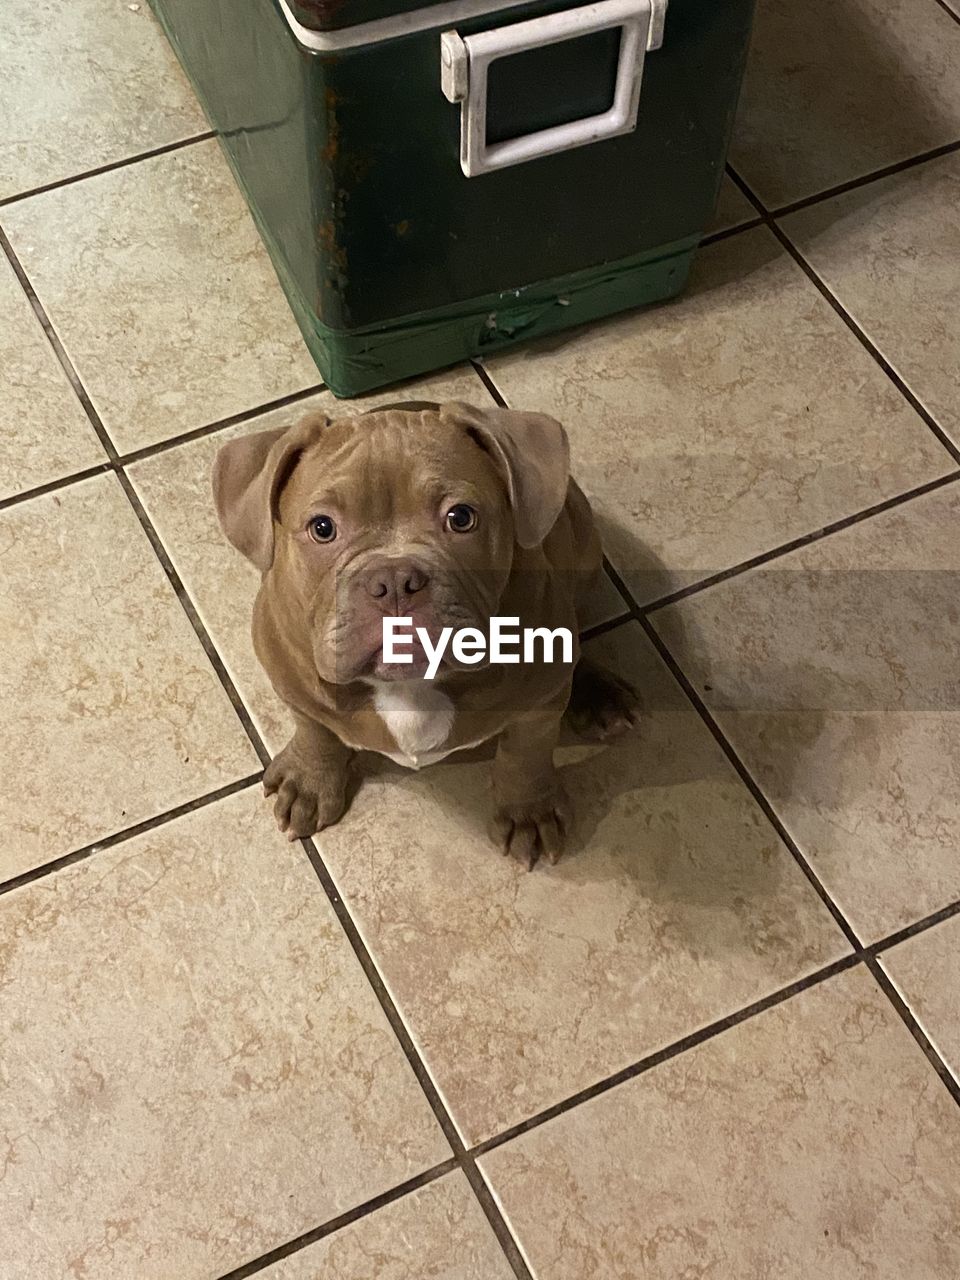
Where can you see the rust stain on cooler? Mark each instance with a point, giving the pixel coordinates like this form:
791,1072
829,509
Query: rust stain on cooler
332,147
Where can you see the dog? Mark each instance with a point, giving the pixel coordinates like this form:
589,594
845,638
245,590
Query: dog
446,515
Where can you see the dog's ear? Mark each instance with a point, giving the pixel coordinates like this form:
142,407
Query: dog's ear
533,452
248,476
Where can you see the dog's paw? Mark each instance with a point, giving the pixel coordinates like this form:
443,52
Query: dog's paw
307,798
531,832
602,706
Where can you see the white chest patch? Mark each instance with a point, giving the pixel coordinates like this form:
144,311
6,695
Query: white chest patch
418,717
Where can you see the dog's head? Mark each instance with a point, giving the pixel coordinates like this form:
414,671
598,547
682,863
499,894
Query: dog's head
409,511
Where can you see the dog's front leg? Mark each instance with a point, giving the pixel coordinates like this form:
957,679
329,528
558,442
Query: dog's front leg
531,812
309,779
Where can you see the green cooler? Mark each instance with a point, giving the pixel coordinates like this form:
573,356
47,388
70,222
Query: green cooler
440,181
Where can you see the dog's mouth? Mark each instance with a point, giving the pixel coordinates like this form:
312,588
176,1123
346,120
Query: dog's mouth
380,669
418,650
364,657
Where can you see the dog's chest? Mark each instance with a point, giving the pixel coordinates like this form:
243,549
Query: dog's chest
419,718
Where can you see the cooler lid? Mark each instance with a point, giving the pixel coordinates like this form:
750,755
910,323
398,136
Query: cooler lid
327,25
332,15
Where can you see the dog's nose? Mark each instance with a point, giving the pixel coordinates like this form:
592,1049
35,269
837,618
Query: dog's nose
394,582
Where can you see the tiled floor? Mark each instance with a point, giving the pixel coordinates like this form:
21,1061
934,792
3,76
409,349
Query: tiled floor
721,1039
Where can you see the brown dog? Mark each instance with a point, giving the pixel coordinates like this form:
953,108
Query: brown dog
444,514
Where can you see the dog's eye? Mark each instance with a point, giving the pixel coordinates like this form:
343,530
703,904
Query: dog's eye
322,529
461,518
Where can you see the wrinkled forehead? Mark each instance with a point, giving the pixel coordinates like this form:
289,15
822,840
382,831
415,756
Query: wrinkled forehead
383,466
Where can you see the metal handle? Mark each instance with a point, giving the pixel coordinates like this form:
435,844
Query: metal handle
465,60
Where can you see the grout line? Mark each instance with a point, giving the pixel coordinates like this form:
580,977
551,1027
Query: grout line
127,833
911,930
41,490
805,540
152,450
747,779
947,1077
498,1223
221,424
209,648
383,996
462,1157
108,168
726,232
841,188
866,954
488,382
867,343
621,587
342,1220
58,349
601,628
950,12
748,192
691,1041
475,363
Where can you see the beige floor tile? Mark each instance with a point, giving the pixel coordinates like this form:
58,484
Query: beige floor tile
739,417
926,969
676,905
44,433
834,673
732,208
890,252
84,83
175,489
163,294
438,1233
112,712
836,89
194,1069
813,1140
